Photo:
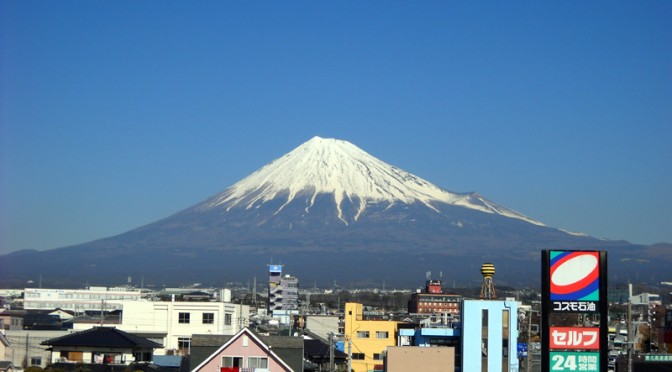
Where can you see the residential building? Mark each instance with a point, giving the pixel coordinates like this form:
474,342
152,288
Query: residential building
247,350
274,287
290,293
367,340
12,319
489,335
173,323
101,345
283,291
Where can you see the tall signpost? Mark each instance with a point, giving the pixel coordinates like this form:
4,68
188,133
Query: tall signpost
573,289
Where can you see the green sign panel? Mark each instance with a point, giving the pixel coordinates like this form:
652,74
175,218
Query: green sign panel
574,361
658,358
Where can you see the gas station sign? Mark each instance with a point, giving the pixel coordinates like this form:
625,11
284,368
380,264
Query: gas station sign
574,288
574,361
581,338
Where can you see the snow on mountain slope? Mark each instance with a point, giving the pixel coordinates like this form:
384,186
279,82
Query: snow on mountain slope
331,166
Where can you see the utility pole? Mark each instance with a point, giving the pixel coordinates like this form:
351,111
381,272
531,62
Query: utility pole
349,355
254,291
331,352
629,325
528,368
26,358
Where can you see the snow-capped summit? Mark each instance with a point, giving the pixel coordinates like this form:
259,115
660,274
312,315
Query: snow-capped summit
349,174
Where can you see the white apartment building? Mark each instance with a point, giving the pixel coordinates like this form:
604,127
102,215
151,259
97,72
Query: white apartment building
172,324
79,300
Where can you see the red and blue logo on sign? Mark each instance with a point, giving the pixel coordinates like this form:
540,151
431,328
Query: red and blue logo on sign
575,276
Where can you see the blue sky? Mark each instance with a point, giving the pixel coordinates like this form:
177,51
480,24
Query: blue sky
117,114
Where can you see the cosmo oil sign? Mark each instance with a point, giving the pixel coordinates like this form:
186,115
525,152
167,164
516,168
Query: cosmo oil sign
574,311
574,281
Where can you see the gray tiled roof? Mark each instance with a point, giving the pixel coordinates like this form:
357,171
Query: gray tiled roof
102,337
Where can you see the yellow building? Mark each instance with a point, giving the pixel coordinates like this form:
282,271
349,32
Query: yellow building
368,339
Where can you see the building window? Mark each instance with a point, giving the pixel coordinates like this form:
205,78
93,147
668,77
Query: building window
184,344
208,318
484,339
227,319
257,362
35,361
377,356
183,318
357,356
382,334
229,361
362,334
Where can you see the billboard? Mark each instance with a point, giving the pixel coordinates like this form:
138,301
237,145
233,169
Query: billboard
274,268
574,281
574,288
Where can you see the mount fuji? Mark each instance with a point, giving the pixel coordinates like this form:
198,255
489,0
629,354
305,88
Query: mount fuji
329,212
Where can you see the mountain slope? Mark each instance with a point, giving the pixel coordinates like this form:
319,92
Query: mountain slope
341,169
329,211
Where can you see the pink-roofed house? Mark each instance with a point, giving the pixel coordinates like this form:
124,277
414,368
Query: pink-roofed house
246,351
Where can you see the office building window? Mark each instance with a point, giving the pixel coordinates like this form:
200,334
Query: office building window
362,334
382,334
208,318
183,318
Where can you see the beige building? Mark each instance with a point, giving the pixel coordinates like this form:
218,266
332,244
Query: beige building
410,358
